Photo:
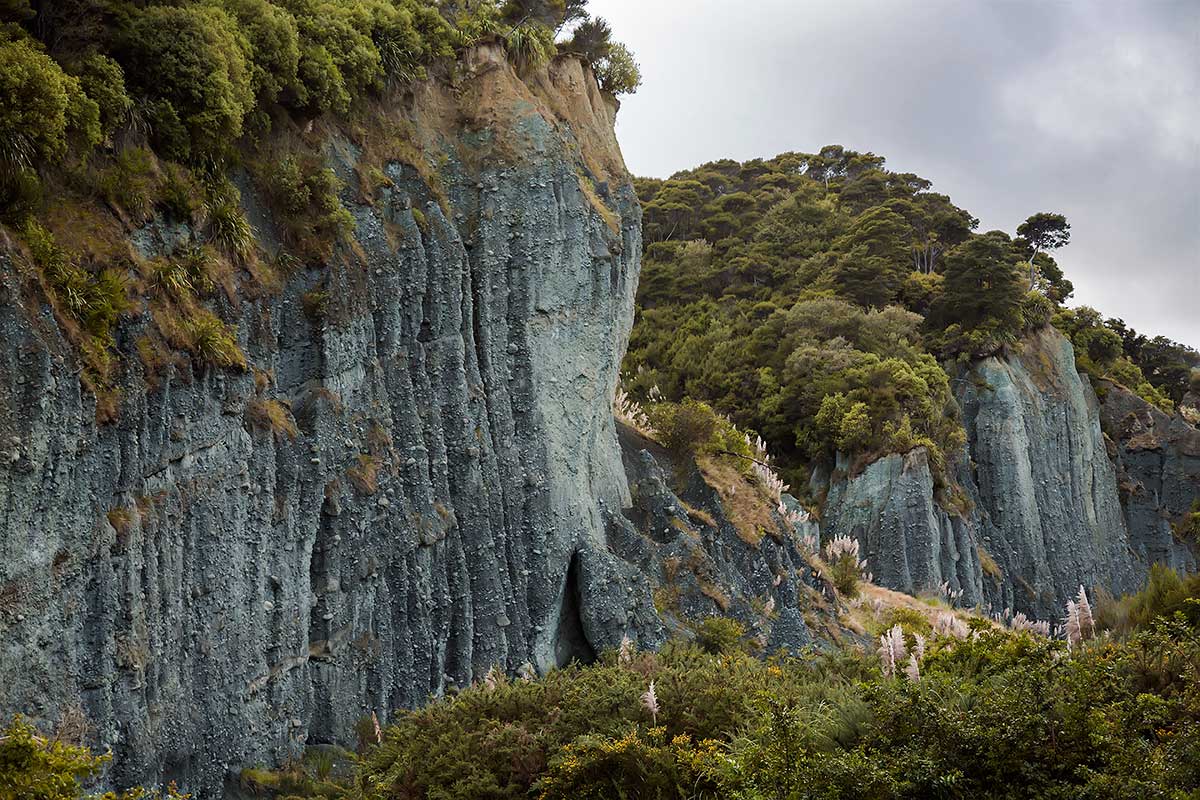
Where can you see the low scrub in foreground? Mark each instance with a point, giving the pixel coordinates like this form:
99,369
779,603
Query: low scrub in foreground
936,711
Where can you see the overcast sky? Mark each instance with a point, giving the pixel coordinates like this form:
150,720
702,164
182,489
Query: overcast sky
1091,109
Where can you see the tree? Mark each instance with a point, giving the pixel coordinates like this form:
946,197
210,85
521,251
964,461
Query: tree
592,40
872,257
1043,231
191,61
982,288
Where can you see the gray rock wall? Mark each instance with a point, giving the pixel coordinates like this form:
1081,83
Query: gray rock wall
1041,509
1158,474
214,594
909,541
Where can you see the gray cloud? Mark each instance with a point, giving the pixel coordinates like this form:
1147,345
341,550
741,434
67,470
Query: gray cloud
1010,107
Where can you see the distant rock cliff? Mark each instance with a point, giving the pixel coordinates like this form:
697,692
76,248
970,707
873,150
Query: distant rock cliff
1047,503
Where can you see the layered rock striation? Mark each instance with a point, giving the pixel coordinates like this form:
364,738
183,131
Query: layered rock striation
404,491
1043,500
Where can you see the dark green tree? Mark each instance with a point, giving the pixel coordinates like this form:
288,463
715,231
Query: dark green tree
982,289
1043,231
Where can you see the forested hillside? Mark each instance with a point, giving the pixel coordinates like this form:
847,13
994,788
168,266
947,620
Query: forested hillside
816,297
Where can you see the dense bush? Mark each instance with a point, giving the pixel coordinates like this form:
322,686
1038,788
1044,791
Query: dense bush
1000,715
41,108
192,63
35,767
202,73
1100,352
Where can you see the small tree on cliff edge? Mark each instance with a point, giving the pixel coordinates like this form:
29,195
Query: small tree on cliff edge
1043,231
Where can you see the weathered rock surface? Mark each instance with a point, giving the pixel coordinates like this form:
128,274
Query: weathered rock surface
1158,473
910,542
214,594
1040,511
705,563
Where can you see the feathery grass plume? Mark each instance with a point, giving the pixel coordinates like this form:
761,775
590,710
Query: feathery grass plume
947,625
912,669
526,672
650,703
950,594
841,553
630,412
919,648
378,732
1020,622
1087,625
1071,626
892,650
625,651
767,477
493,678
769,607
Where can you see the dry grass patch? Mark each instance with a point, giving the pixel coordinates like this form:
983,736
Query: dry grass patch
271,415
989,565
364,475
745,506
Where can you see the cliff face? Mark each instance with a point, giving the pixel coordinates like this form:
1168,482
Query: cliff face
1158,474
1041,512
213,593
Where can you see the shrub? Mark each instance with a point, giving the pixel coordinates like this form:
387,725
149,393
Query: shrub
34,767
129,182
271,415
190,61
529,45
684,428
1165,593
643,765
717,635
306,194
212,342
618,73
94,300
228,227
103,80
274,46
41,108
841,555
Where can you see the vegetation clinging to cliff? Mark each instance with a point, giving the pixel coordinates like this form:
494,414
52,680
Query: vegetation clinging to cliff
115,114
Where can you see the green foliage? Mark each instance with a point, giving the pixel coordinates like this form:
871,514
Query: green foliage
33,767
1166,592
845,569
212,342
979,309
95,300
1100,352
228,227
103,80
771,285
618,71
192,63
1168,366
718,635
648,766
305,194
684,428
42,110
529,45
1114,718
